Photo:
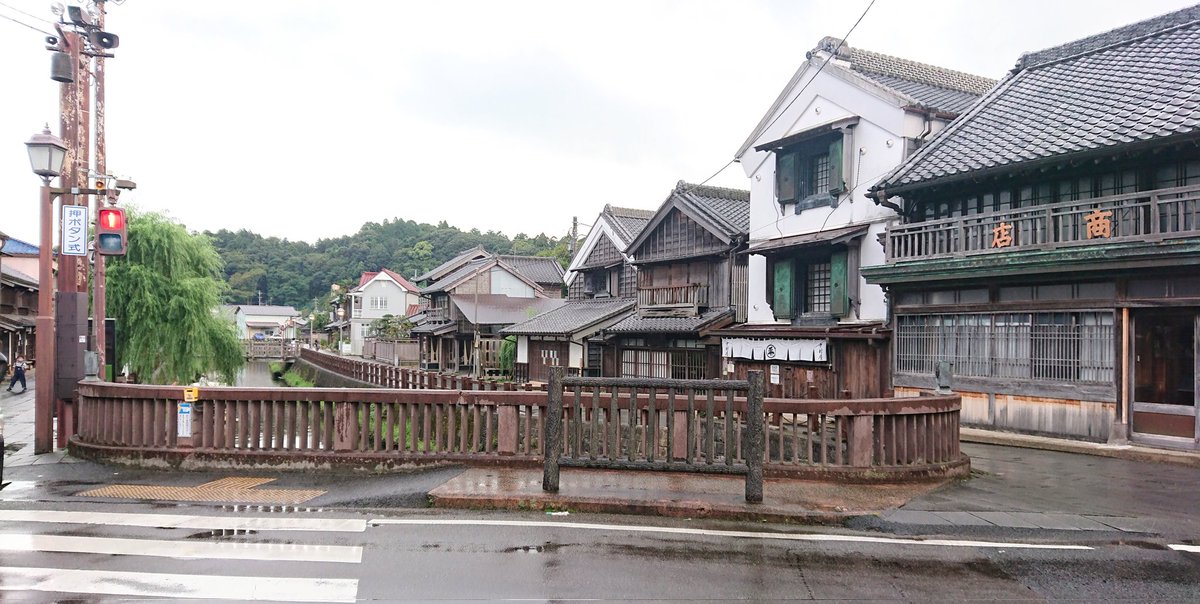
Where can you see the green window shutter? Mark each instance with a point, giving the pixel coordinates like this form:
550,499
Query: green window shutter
783,289
836,185
785,177
839,301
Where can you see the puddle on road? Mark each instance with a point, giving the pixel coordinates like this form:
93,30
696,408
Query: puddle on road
545,548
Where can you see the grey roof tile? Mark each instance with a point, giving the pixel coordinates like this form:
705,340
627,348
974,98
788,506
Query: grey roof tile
636,324
449,265
729,209
1136,83
572,317
455,276
538,269
627,222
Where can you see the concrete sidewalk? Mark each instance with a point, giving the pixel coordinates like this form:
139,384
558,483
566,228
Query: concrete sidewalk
18,413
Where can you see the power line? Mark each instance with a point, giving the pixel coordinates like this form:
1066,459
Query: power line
27,14
802,89
42,31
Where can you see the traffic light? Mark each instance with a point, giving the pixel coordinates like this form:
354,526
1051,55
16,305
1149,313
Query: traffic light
110,232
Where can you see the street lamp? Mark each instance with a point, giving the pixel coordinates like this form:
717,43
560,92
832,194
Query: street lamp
46,155
312,337
341,314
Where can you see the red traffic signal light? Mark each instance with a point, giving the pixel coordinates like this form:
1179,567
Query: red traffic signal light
110,232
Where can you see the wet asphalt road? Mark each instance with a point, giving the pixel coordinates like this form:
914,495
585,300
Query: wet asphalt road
408,552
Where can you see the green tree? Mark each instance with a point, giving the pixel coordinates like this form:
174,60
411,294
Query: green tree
391,327
164,293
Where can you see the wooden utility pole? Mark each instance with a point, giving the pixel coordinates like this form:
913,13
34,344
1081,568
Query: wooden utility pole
99,306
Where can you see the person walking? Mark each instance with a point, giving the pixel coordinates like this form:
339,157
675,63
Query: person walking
18,374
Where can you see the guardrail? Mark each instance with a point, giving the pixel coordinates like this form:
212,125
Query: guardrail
872,439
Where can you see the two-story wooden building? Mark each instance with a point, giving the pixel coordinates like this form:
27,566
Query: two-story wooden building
468,304
1048,245
602,290
846,117
691,281
18,301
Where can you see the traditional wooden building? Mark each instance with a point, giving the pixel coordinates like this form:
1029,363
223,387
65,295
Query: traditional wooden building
847,117
691,281
474,301
602,291
1048,246
18,312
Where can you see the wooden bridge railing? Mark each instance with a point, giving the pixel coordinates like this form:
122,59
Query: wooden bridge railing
270,349
868,439
387,375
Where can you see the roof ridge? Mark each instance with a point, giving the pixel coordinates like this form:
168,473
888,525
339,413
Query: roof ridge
1116,36
628,212
711,191
951,79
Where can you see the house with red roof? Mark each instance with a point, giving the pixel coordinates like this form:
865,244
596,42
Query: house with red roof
377,295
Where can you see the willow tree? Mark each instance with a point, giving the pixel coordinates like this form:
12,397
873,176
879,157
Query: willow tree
164,294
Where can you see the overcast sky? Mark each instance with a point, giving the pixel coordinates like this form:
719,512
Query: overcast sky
304,119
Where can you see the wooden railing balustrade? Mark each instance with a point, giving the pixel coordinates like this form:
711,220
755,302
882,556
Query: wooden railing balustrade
270,349
694,295
1145,216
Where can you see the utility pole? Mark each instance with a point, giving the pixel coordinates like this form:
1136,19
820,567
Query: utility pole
574,234
99,296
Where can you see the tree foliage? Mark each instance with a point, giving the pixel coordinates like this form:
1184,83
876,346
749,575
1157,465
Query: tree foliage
164,294
299,274
391,327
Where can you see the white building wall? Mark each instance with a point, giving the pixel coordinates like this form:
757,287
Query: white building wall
397,298
504,282
878,147
522,349
576,355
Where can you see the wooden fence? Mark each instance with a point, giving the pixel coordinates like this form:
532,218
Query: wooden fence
401,353
389,376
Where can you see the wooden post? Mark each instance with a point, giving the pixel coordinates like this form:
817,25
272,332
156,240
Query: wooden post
508,430
754,437
553,427
860,441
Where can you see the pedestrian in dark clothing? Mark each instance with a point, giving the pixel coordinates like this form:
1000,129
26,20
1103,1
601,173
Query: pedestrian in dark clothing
18,374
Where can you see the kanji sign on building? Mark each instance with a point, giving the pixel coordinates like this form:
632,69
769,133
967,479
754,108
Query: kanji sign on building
1002,235
74,230
1099,223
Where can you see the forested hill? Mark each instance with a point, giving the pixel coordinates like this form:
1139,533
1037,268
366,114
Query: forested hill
296,272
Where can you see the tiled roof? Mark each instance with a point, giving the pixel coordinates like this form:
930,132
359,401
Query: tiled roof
728,209
865,61
499,309
368,276
1133,84
636,324
16,247
451,264
942,99
538,269
453,278
267,310
572,317
627,222
13,275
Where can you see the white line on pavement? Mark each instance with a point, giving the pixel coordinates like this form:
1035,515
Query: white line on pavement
23,542
187,521
719,533
120,583
1195,549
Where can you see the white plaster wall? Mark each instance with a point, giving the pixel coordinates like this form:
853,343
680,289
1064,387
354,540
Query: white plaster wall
522,349
576,354
397,298
878,147
504,282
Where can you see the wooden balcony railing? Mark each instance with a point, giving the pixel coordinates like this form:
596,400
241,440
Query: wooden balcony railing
690,297
437,315
1145,216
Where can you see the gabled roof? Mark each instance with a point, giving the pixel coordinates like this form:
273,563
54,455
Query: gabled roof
540,269
913,83
1135,84
468,270
499,309
454,263
724,212
627,223
573,317
367,277
268,310
16,277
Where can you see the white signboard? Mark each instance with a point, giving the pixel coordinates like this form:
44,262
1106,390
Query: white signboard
184,424
775,349
774,374
74,230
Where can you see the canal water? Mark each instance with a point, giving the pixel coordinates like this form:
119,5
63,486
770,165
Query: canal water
256,374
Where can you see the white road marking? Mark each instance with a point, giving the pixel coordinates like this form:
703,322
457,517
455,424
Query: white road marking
719,533
120,583
181,549
1195,549
282,523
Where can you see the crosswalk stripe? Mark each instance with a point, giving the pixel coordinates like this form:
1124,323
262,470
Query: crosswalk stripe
181,549
122,583
1195,549
289,523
